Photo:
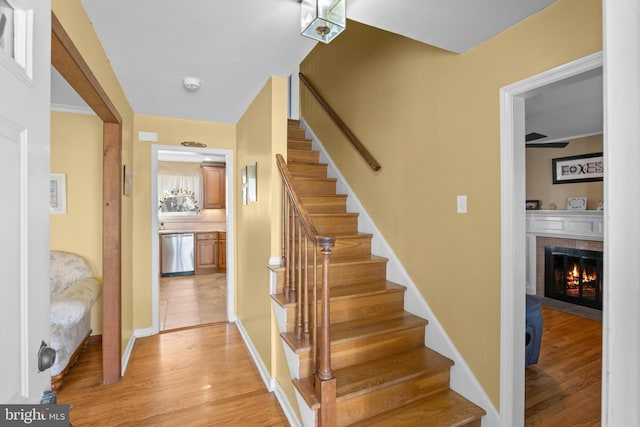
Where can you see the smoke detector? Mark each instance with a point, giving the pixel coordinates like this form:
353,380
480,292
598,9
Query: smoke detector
191,83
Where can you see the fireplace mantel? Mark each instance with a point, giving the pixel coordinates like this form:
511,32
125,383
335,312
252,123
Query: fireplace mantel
582,225
561,224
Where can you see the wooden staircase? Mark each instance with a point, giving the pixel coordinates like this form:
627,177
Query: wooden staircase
385,376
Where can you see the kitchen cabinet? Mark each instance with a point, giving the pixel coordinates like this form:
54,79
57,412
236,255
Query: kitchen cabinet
206,253
213,178
222,252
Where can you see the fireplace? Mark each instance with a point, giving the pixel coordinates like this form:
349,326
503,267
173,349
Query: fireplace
573,275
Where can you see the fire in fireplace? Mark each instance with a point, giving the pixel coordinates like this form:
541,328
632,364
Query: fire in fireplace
573,275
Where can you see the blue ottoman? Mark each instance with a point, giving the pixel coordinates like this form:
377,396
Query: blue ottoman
533,331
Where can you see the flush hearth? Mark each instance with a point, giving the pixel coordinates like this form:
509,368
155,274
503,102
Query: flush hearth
573,275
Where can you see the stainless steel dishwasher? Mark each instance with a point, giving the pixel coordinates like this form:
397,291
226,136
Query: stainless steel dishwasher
177,254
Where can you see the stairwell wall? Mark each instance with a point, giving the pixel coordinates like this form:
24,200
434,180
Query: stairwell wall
261,133
431,118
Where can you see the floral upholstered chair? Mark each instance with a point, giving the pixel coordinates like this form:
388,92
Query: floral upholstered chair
74,290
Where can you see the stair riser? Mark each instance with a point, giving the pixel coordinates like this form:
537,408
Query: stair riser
364,349
303,156
315,186
308,171
345,309
299,144
346,246
338,224
341,274
366,405
325,204
296,132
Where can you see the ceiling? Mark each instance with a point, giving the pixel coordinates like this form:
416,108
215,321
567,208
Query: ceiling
233,47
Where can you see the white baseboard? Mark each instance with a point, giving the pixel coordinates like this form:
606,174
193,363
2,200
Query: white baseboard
137,333
127,354
463,380
288,410
262,369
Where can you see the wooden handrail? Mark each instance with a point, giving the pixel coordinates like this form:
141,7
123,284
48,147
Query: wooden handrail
358,145
298,235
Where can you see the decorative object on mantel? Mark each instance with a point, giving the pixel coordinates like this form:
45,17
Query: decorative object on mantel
582,168
600,206
552,206
577,203
532,205
193,144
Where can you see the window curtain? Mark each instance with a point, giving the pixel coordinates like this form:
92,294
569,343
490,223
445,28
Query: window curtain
182,182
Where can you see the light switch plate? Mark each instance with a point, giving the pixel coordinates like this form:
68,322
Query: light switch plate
462,203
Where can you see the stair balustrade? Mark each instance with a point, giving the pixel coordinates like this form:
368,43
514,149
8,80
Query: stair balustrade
302,245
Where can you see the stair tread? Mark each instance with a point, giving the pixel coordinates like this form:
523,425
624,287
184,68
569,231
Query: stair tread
362,328
319,214
306,178
356,259
389,370
444,408
347,291
379,373
299,163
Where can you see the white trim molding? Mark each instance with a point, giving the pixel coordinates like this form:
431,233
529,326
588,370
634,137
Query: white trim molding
621,317
512,243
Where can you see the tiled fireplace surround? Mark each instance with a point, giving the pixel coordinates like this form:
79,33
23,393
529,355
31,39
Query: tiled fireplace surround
569,229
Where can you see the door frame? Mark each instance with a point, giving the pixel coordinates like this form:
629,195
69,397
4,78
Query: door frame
69,62
513,253
155,227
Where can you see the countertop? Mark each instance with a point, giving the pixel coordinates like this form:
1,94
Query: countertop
169,231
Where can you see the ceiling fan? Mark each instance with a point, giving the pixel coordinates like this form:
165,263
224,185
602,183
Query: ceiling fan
533,136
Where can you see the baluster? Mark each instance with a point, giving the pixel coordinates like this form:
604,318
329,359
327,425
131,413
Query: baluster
285,240
314,344
292,257
300,299
306,289
325,372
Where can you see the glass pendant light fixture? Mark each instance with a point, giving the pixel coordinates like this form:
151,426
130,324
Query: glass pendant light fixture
323,20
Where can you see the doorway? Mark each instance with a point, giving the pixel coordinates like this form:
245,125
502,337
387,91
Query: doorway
513,256
200,298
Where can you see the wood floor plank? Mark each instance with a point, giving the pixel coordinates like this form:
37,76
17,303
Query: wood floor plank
564,388
190,377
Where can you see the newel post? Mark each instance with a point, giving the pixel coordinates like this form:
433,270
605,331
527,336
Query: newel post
326,382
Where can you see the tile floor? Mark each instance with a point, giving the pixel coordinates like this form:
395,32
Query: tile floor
192,300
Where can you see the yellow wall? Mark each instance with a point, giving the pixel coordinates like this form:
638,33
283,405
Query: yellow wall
170,131
76,151
261,133
74,20
540,174
431,118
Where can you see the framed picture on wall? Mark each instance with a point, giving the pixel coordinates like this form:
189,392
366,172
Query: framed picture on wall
57,194
532,205
582,168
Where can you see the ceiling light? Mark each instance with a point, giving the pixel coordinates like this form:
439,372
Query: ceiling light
191,83
323,20
193,144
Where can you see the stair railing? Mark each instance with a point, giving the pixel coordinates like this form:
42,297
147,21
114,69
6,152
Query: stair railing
299,238
357,144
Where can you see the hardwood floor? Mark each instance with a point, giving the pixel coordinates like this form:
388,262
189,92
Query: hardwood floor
564,388
202,376
192,300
